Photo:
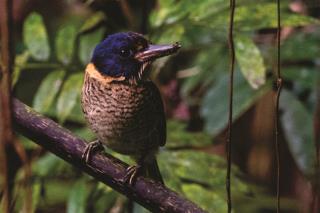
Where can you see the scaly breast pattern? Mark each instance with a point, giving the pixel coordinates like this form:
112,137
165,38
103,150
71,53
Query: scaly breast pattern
121,115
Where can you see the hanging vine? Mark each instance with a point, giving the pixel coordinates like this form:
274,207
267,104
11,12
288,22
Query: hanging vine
229,137
277,94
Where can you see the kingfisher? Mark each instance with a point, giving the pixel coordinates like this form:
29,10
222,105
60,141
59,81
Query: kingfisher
121,105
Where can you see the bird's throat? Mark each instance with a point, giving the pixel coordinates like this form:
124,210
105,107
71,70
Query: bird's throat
92,72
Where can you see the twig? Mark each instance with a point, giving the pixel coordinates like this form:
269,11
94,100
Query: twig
105,168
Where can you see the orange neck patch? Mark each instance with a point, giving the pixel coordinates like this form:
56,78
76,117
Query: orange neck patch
92,72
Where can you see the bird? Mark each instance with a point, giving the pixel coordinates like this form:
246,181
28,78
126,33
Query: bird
122,106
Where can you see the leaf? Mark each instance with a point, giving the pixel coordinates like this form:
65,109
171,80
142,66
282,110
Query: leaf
297,124
35,37
207,9
250,61
211,61
48,90
69,95
36,194
301,77
256,16
76,114
56,192
65,42
93,21
49,166
215,104
84,133
88,43
189,171
169,35
77,198
178,136
308,42
137,208
19,62
205,198
27,196
170,11
104,198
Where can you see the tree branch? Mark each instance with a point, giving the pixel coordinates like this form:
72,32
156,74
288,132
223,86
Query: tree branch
105,168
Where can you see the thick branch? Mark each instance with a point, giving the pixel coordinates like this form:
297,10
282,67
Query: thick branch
105,168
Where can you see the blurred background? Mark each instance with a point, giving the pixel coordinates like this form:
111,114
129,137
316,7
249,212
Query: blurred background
53,44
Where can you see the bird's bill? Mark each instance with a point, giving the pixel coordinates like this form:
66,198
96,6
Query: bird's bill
156,51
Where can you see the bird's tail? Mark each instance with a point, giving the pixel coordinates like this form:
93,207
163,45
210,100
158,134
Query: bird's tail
153,171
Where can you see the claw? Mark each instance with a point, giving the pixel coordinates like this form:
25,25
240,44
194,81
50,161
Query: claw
90,149
132,173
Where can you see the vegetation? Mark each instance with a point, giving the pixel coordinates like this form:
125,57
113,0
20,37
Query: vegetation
55,42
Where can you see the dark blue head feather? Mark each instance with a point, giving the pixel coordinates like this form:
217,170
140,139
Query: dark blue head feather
115,55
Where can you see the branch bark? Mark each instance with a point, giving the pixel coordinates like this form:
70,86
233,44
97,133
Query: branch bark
105,168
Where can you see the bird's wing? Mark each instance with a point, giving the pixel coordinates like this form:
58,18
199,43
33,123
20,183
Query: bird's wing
158,109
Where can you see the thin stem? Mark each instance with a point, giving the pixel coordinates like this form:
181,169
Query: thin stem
279,87
229,137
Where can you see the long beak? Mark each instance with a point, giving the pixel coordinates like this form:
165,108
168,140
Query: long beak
156,51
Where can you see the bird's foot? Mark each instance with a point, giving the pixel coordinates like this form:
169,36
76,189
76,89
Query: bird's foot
90,149
131,173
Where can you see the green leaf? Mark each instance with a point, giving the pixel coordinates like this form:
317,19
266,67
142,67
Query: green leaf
84,133
303,77
56,193
77,198
168,13
35,37
106,199
46,165
250,61
19,62
65,42
184,170
215,103
27,195
256,16
139,209
93,21
210,61
297,124
301,46
205,198
208,8
88,43
36,194
178,136
69,95
249,15
48,90
170,34
171,12
76,114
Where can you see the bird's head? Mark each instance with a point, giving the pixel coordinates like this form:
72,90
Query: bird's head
126,55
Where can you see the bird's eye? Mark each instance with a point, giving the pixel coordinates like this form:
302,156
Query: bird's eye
125,53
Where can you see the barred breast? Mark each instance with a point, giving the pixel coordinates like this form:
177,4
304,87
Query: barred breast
127,118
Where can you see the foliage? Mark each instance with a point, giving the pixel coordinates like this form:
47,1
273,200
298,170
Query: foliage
201,27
